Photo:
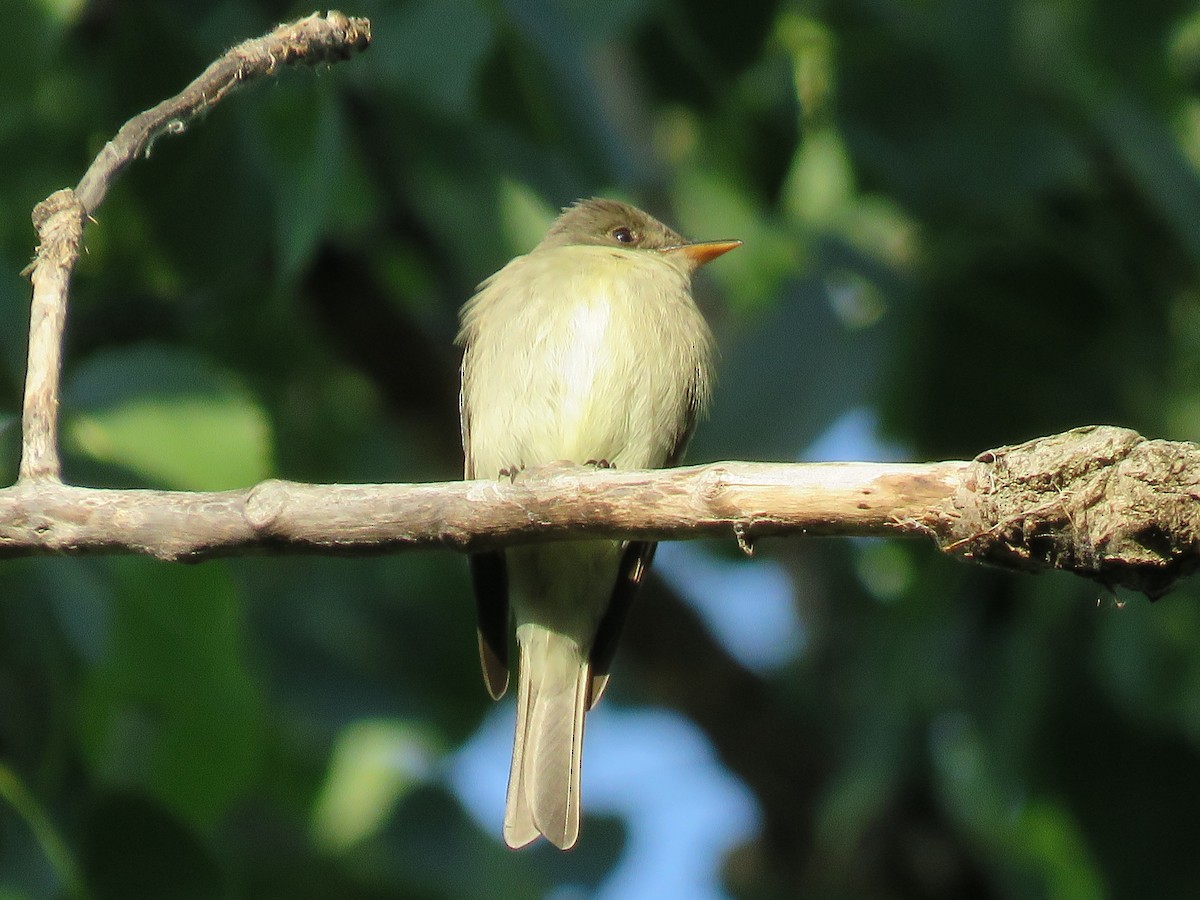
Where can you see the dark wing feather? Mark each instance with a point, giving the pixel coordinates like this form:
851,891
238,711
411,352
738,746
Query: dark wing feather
635,562
489,578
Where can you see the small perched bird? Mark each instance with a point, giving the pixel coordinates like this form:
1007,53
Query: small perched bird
588,349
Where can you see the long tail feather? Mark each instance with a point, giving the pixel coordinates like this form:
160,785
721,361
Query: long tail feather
543,784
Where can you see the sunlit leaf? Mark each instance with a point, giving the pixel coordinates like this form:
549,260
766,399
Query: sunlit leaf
171,417
372,766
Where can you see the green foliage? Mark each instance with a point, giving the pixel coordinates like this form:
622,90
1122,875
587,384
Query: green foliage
164,415
171,708
971,221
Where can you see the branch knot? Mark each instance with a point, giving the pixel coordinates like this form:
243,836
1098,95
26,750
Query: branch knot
1101,501
265,503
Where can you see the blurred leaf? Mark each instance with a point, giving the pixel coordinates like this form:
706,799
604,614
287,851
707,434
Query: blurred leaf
63,10
432,50
17,796
1154,162
1054,841
138,851
430,825
81,597
555,65
309,174
372,766
826,366
170,416
10,447
693,51
753,276
595,23
172,709
524,217
15,296
821,180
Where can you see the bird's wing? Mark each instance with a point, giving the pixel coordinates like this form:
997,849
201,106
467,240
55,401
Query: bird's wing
635,562
489,579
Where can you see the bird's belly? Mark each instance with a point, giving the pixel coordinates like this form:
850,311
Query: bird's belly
600,363
592,392
589,386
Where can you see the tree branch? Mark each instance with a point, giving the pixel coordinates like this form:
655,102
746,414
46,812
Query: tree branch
1100,501
59,218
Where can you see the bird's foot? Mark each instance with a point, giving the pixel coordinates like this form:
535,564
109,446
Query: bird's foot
511,473
600,463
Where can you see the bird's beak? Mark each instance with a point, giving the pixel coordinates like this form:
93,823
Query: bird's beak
701,252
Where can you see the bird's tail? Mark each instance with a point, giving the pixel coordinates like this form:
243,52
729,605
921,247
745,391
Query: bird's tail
543,785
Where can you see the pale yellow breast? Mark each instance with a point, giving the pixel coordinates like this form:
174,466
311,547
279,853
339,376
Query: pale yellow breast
581,353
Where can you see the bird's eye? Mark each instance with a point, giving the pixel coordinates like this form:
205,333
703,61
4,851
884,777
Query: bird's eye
623,235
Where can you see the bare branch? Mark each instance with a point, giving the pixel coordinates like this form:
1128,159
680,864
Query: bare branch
1099,501
1102,502
313,40
59,218
59,222
554,503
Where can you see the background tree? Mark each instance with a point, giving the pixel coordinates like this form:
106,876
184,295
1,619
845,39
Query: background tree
966,224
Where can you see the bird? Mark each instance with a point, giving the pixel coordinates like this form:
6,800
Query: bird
588,349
